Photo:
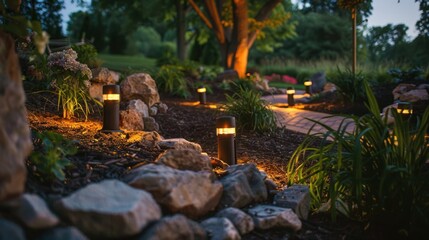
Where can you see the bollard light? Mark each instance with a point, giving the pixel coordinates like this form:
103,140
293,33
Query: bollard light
111,98
225,131
307,85
405,108
202,95
290,92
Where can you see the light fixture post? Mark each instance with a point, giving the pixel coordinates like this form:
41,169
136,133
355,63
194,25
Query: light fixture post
225,131
307,85
202,95
290,92
111,99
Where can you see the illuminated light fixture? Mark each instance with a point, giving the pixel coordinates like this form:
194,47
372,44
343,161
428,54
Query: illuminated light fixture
405,108
111,98
202,95
290,92
307,85
225,131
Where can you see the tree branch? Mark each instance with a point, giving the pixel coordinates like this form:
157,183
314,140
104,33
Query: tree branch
201,14
262,15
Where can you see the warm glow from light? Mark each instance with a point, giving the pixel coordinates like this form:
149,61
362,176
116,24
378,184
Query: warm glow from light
111,97
220,131
212,106
308,83
405,111
290,91
201,90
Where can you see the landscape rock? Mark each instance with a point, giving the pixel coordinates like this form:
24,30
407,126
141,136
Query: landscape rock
179,143
296,197
414,95
255,179
146,138
401,89
193,194
139,106
162,107
140,86
267,217
15,135
9,230
104,76
236,191
109,209
220,229
241,221
153,111
174,227
185,159
96,91
34,212
329,88
131,120
63,233
318,82
150,124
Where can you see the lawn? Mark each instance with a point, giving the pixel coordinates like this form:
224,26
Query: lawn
286,85
128,64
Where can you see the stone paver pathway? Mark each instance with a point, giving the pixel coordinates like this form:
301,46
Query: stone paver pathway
299,120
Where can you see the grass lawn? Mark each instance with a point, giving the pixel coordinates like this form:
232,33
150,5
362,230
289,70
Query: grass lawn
285,85
128,64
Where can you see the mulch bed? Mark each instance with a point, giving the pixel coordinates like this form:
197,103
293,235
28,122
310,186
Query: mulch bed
110,156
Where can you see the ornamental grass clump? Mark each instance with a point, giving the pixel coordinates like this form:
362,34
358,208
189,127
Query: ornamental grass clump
251,112
70,79
378,174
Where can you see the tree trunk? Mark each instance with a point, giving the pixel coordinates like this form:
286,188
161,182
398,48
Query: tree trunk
241,26
181,30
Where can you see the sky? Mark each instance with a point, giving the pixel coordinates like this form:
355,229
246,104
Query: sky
383,13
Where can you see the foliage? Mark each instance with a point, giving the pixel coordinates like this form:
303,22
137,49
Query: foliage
251,112
50,159
411,75
70,79
376,174
127,64
87,54
350,86
171,79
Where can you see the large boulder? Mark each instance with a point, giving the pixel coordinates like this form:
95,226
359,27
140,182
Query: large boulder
267,217
174,227
15,139
140,86
242,222
186,159
139,106
131,119
318,82
100,77
193,194
296,197
34,212
109,209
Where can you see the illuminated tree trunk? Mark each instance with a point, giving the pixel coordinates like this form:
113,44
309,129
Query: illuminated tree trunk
236,40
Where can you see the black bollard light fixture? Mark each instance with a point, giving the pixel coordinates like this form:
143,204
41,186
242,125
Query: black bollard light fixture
405,109
202,95
290,92
307,85
111,98
225,131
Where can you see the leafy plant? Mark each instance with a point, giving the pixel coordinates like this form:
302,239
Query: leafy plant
171,79
87,54
50,159
350,86
250,110
70,79
376,174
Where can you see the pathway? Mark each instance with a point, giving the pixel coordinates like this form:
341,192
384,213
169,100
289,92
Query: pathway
298,120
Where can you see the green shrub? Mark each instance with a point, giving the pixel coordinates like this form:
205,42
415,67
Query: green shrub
250,110
376,174
50,155
171,79
87,54
350,86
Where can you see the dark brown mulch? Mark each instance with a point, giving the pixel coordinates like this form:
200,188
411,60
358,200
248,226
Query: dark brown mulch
110,156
